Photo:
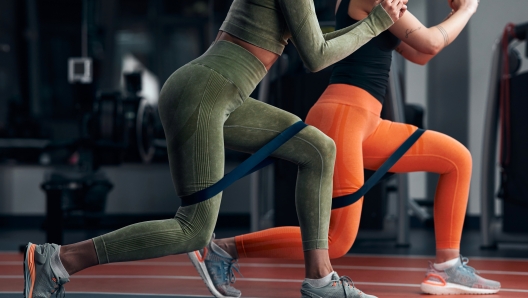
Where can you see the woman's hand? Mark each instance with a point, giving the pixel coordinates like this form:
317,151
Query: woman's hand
395,8
453,5
469,5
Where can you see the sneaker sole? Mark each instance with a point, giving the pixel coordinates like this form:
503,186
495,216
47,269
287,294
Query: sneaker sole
454,289
29,270
202,270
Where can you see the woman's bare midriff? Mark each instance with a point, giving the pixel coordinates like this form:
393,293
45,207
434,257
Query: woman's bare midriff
266,57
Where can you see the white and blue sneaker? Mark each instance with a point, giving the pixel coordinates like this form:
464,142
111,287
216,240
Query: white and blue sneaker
216,266
42,276
458,279
338,287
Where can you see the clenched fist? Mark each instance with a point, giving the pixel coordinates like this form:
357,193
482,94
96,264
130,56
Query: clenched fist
395,8
470,5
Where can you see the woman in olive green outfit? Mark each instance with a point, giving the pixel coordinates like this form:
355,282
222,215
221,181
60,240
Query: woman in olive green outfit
205,106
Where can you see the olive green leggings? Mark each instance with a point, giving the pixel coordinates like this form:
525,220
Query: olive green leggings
204,107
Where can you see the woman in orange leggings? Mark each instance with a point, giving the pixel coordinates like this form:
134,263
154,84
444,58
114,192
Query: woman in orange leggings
349,113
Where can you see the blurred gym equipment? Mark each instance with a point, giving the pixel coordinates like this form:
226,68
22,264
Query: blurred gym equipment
118,128
507,108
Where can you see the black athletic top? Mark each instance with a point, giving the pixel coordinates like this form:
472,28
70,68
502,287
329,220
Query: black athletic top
368,67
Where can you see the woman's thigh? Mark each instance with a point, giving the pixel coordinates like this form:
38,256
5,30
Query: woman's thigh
433,152
255,123
194,104
348,126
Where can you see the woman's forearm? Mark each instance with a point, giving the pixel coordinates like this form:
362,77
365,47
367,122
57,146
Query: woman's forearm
432,40
450,28
440,36
372,20
319,51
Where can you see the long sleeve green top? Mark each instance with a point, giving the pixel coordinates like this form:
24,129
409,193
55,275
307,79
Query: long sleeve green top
269,24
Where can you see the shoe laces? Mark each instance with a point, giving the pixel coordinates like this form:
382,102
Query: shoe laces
228,266
346,281
466,267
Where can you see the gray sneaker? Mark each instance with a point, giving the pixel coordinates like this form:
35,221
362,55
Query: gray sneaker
41,278
215,266
459,279
339,287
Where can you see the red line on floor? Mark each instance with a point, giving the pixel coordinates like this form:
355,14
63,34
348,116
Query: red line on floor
377,275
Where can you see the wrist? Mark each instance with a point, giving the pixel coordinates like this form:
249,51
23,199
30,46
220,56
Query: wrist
468,9
450,14
379,20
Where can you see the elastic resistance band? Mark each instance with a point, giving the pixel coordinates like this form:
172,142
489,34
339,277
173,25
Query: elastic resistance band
343,201
253,163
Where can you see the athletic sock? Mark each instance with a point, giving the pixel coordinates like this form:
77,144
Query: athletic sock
320,282
56,264
446,265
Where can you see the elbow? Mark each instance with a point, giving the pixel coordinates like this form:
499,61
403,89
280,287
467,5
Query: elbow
423,61
434,51
432,46
313,66
314,63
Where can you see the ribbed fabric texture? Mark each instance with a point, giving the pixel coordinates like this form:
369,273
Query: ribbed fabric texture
204,107
159,238
269,24
214,86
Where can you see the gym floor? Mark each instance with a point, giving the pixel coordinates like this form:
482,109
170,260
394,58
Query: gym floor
377,268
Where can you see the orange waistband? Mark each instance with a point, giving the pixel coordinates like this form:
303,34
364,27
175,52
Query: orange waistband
352,96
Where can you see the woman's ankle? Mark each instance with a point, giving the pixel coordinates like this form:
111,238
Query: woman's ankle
78,256
228,245
317,263
447,254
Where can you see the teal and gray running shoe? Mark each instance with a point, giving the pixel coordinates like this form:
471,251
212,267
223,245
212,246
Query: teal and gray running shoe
216,266
41,278
459,279
339,287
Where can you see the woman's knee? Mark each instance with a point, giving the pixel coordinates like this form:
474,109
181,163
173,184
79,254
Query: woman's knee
339,246
338,249
344,226
201,240
323,144
466,156
198,221
461,157
202,236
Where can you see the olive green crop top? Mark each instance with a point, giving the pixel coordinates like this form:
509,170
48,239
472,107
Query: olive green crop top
269,24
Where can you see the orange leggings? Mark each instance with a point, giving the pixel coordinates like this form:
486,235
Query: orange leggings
351,116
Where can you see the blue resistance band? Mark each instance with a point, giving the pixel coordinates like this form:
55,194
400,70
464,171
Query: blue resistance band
261,159
343,201
253,163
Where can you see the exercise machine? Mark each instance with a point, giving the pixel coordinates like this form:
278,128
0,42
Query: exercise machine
507,106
